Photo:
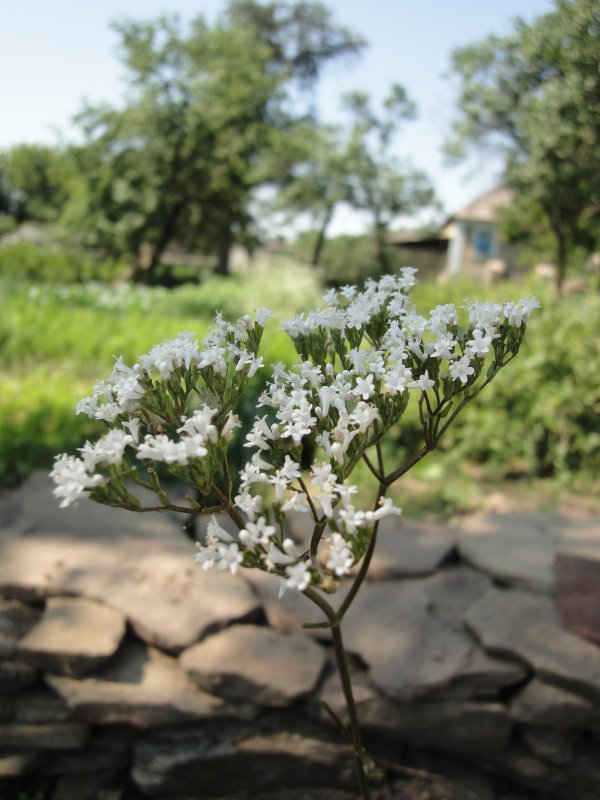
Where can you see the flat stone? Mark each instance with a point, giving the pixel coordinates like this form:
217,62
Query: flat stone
542,704
407,548
457,727
12,765
141,687
44,736
82,787
578,593
41,705
519,548
74,637
289,613
142,565
16,619
411,635
195,762
255,664
526,626
16,675
552,745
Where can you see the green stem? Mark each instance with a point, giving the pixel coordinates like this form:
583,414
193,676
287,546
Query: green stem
341,660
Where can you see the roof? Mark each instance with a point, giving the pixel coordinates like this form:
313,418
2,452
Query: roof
483,208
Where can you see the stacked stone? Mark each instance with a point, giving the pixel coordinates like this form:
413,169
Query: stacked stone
126,672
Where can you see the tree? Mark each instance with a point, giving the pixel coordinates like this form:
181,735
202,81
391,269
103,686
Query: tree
318,182
182,160
377,181
535,95
36,182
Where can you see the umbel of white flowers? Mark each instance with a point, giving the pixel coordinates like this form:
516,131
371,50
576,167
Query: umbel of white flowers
362,357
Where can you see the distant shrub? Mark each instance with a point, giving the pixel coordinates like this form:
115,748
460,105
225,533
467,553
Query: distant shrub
49,264
346,259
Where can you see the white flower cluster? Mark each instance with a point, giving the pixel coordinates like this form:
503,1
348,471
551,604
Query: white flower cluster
362,356
149,408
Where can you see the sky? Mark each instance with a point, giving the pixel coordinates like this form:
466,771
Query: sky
54,54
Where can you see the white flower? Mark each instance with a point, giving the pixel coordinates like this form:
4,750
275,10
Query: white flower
72,479
461,370
424,382
396,380
364,387
229,557
298,577
257,533
262,315
479,345
340,559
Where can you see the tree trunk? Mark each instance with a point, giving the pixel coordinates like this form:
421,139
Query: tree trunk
380,245
223,254
316,255
143,273
561,262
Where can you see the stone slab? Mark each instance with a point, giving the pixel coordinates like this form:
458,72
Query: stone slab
410,634
526,626
41,705
555,746
140,564
578,593
408,548
457,727
16,619
256,665
44,736
141,687
519,548
74,636
542,704
12,765
196,762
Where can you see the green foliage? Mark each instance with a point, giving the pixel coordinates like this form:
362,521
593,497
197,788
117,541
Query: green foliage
56,340
536,94
348,259
51,264
36,182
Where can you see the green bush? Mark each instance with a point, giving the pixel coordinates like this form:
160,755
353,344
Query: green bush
346,259
50,264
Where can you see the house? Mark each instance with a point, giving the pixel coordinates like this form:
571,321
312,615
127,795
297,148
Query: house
468,242
474,238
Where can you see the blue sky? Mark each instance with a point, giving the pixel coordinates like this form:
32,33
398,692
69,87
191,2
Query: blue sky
55,53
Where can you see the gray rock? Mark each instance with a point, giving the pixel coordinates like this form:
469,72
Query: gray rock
139,564
526,626
202,761
452,726
41,705
330,692
74,637
542,704
519,548
16,675
410,548
410,634
12,765
16,619
141,687
551,745
256,665
43,736
82,787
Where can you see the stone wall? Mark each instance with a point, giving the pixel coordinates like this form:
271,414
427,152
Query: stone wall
126,672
